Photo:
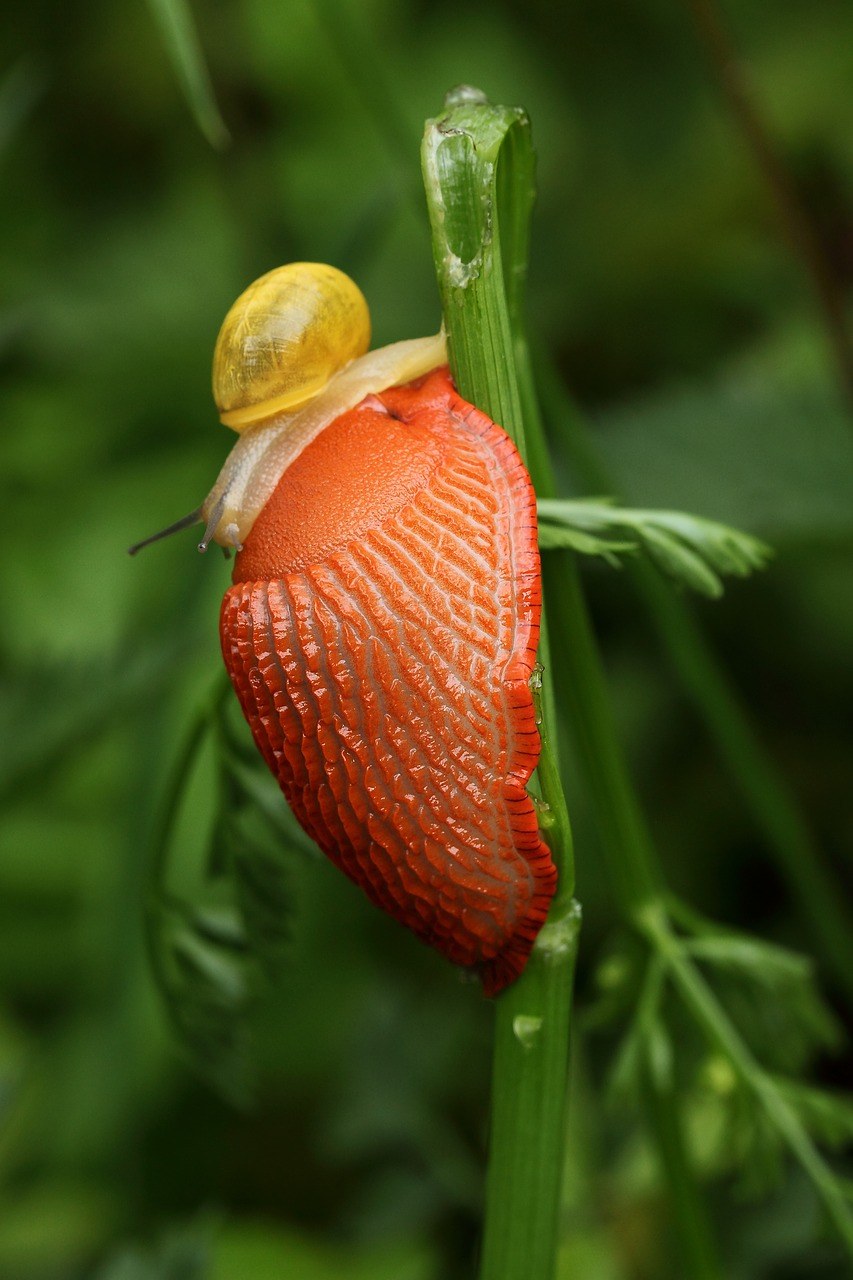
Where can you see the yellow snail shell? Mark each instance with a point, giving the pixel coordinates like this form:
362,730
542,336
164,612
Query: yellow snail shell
283,338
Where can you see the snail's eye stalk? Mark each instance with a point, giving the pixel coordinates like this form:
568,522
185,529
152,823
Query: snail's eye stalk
193,517
230,533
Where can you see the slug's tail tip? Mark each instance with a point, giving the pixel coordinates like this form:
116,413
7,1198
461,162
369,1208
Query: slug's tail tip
510,961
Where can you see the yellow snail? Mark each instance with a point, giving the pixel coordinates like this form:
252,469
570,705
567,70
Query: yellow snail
382,624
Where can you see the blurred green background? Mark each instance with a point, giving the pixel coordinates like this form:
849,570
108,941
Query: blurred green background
686,331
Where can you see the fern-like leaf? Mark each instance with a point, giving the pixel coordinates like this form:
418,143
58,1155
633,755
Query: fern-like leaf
216,948
690,549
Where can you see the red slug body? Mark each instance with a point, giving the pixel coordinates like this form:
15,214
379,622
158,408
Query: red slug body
381,634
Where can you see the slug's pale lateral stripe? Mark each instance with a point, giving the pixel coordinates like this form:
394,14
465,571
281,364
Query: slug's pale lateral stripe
264,452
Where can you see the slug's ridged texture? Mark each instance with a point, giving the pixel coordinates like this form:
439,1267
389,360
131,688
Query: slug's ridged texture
381,636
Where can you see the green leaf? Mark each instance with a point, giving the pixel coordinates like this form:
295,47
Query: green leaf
727,550
828,1116
216,946
749,1144
201,965
688,548
588,544
179,34
660,1055
680,562
765,962
646,1045
265,900
747,1140
765,1104
772,994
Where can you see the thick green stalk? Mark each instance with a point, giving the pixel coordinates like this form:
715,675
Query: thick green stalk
528,1122
478,171
637,876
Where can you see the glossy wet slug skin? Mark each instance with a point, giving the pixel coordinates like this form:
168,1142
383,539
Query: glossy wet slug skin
382,625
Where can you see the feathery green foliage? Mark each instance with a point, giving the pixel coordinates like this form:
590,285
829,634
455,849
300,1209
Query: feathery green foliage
693,551
216,945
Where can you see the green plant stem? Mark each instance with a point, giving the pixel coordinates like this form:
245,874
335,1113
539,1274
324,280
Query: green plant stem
176,785
774,810
529,1077
690,1219
478,170
583,693
663,1114
632,863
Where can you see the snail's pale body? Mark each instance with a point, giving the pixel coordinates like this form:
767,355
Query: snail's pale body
382,626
